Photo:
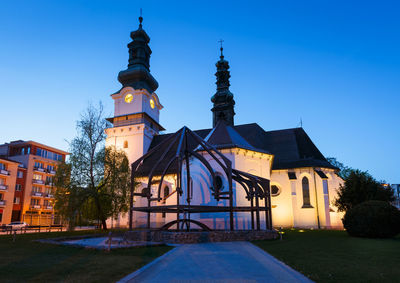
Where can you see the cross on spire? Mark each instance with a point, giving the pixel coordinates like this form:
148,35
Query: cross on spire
140,18
221,41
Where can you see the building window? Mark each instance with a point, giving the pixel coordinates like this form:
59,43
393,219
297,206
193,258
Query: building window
38,165
306,193
16,200
20,174
37,177
35,201
3,166
48,154
219,182
36,189
275,191
18,187
125,144
166,191
166,194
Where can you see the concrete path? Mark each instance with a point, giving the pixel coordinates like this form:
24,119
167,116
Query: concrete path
216,262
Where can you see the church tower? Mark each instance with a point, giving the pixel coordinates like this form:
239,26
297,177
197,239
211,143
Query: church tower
223,99
136,105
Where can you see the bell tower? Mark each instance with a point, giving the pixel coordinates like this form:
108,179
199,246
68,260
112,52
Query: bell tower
136,105
223,99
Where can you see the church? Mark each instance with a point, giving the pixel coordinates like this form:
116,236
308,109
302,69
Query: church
226,177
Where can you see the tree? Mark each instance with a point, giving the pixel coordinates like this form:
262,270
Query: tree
95,180
117,178
359,187
344,170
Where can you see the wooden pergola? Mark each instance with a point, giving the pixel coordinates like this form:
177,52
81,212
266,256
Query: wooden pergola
171,156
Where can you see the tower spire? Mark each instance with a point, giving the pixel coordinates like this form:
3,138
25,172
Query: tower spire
222,49
223,102
137,75
140,19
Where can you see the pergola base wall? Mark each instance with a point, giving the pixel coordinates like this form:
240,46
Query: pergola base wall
194,237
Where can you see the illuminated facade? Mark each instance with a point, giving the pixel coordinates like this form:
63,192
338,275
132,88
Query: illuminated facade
33,189
302,182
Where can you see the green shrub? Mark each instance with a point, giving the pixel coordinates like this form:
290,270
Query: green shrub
372,219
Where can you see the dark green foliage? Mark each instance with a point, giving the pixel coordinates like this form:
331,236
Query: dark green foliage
344,170
373,219
359,187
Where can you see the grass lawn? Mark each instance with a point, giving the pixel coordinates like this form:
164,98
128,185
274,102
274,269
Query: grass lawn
333,256
25,260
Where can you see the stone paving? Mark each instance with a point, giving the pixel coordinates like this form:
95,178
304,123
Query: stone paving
216,262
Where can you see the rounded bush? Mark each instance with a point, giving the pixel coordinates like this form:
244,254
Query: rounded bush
372,219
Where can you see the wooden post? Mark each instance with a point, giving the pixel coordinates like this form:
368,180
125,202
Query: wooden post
230,197
148,205
257,212
252,212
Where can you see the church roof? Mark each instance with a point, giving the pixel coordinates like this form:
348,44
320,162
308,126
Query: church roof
292,148
225,136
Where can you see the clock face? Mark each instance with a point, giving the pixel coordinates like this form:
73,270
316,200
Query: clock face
152,104
128,98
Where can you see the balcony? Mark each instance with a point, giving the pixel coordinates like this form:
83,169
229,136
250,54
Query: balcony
39,182
37,194
3,187
4,172
2,203
37,169
48,207
35,206
49,196
49,184
52,172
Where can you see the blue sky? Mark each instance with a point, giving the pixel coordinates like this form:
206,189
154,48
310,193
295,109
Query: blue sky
334,64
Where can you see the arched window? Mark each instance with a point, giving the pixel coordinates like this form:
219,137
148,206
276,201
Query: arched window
306,193
275,191
125,144
219,182
166,191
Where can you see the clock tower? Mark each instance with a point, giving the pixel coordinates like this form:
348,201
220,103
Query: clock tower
136,105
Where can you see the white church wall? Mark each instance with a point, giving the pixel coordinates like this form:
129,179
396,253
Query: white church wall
258,164
247,161
135,140
282,210
288,208
202,194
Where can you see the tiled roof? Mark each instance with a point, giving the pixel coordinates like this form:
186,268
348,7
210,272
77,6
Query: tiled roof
292,148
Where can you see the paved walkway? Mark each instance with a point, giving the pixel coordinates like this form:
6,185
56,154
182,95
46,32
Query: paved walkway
216,262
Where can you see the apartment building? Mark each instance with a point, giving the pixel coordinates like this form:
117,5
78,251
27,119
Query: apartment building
8,177
30,195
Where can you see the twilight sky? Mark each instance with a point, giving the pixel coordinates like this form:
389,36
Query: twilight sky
334,64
